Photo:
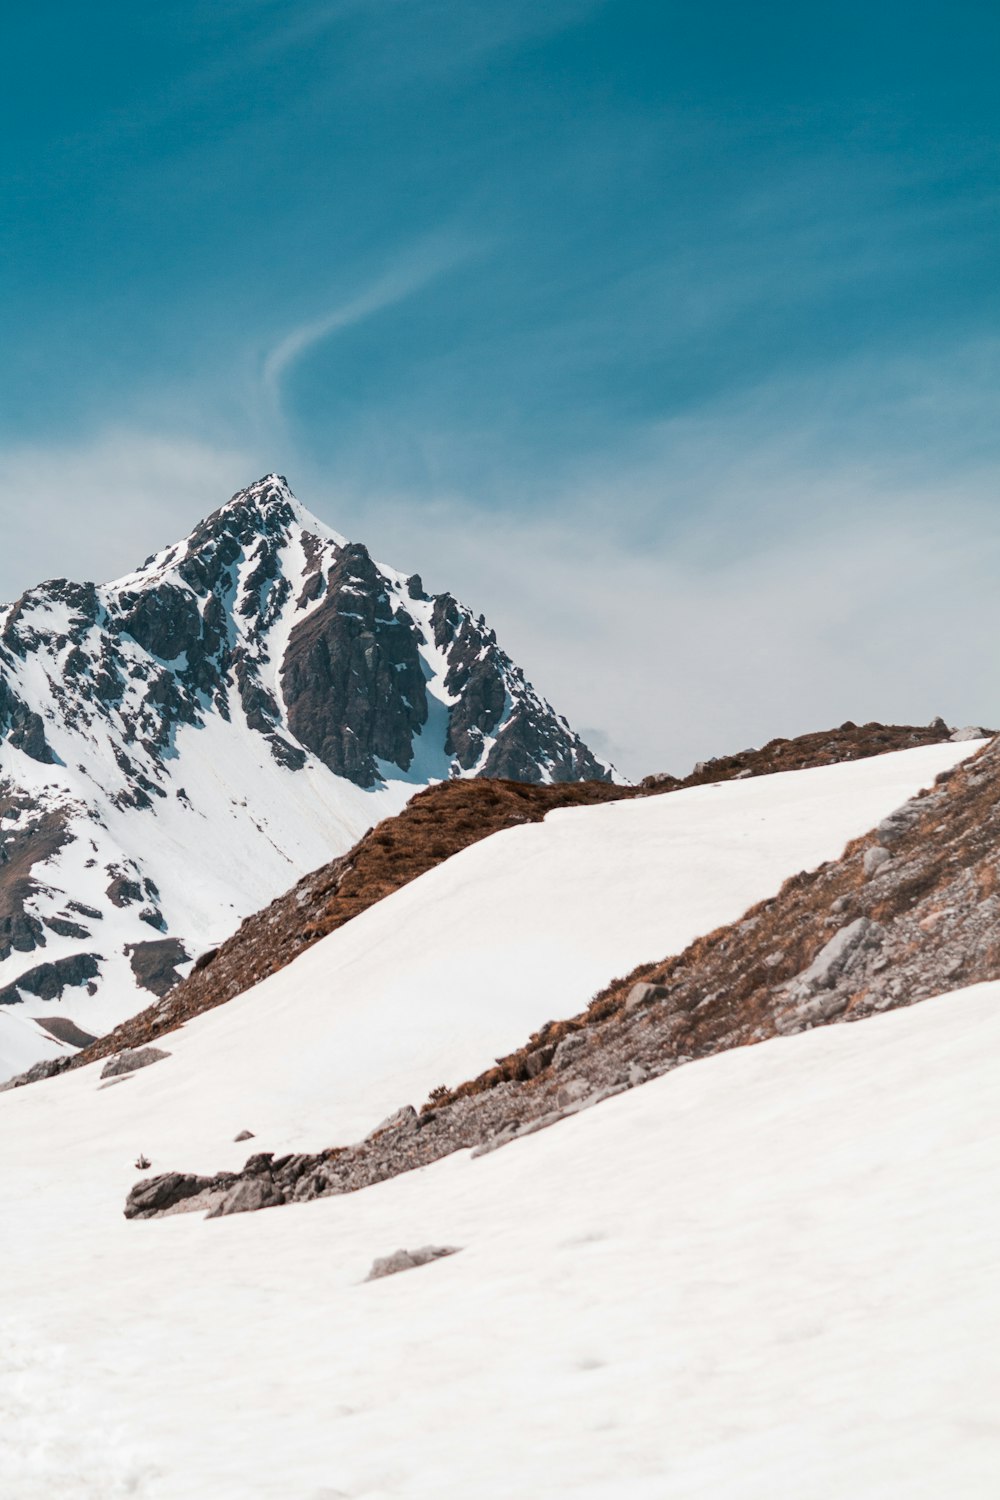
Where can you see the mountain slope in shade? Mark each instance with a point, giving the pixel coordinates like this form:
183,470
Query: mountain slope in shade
180,745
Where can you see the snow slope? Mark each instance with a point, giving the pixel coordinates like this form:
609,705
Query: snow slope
427,986
737,1281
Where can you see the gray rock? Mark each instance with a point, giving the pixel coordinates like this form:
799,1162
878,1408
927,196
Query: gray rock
156,1194
244,1135
645,994
896,824
537,1061
811,1013
247,1197
567,1049
406,1260
503,1137
404,1119
572,1091
970,732
838,956
129,1062
49,1067
875,858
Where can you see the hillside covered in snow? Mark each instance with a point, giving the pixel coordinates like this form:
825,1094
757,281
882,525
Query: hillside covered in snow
743,1278
181,745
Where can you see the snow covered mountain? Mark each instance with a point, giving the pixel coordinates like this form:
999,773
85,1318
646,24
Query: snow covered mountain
179,746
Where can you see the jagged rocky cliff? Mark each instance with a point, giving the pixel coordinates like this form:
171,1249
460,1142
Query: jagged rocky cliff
179,746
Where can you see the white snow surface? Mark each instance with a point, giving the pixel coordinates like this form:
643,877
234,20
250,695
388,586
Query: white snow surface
767,1274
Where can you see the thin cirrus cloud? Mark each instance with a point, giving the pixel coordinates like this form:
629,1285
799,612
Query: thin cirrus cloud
420,267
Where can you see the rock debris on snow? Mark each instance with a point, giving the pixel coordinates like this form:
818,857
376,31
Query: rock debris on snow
131,1062
406,1260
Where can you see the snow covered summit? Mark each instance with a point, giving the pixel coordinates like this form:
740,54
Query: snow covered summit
178,746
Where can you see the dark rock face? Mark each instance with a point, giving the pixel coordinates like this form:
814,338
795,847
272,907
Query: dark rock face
123,892
65,927
154,1195
352,679
47,981
22,727
154,964
476,679
530,743
165,621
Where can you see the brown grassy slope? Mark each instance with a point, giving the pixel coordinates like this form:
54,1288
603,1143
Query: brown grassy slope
910,910
438,823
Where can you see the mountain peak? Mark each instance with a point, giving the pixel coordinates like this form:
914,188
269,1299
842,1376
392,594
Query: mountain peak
177,745
266,496
264,512
265,508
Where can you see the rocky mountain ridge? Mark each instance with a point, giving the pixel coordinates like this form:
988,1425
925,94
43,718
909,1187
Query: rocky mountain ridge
180,745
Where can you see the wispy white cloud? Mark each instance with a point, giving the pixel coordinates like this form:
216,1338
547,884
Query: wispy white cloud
409,274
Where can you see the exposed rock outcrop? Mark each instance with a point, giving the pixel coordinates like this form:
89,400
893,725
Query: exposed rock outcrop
407,1260
47,981
155,964
131,1062
352,678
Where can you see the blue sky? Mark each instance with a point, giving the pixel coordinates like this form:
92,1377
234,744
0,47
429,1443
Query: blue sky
625,320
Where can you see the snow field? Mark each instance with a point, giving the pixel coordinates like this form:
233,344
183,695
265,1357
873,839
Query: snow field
765,1274
459,967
